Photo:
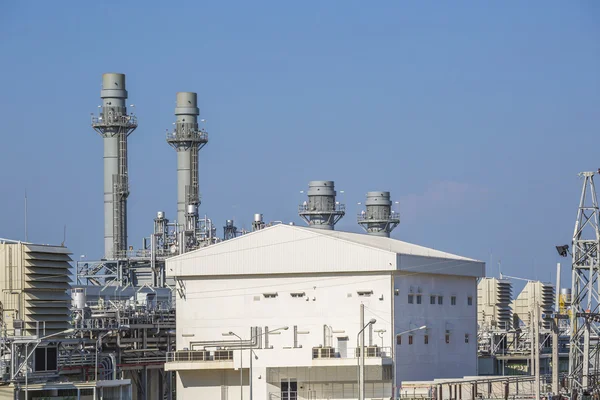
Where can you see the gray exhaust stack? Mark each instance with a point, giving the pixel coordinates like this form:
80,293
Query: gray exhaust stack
378,219
229,230
321,211
114,125
187,140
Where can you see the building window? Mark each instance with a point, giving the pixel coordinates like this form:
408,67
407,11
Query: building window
440,300
466,338
431,299
45,359
411,299
398,340
426,339
410,339
452,300
447,338
270,295
469,301
418,299
364,293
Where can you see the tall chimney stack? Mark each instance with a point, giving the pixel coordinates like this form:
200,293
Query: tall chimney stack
114,125
187,139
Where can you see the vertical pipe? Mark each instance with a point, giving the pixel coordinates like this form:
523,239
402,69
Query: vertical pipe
532,331
555,360
537,350
241,369
362,353
26,234
557,305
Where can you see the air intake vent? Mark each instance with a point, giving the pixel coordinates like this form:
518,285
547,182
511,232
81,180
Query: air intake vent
370,351
323,352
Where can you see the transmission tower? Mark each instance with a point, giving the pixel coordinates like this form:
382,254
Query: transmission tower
585,325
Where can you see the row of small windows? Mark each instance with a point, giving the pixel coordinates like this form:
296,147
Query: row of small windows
426,339
432,299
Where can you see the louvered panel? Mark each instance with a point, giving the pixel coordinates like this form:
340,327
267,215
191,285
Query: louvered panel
46,285
47,296
47,303
46,271
39,278
47,257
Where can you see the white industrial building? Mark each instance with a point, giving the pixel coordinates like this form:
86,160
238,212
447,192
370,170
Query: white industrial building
313,283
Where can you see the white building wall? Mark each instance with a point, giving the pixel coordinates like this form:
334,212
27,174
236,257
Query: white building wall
212,307
437,359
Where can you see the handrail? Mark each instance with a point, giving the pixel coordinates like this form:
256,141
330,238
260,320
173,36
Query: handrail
199,355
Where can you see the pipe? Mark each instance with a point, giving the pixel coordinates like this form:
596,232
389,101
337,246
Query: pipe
557,306
114,363
253,342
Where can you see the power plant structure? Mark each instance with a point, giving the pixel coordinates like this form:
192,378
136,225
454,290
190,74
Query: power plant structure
379,219
321,211
187,139
584,346
115,125
112,336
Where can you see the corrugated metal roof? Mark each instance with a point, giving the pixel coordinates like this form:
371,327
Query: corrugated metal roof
288,249
388,244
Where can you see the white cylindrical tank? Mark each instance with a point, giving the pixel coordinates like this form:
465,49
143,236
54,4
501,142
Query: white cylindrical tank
192,209
78,298
258,217
160,215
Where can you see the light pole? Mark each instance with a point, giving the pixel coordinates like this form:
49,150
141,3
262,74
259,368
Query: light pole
395,356
361,360
284,328
241,362
252,353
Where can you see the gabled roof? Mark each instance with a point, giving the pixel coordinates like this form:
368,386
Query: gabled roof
288,249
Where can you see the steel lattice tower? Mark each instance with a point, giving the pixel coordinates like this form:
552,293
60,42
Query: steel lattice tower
585,328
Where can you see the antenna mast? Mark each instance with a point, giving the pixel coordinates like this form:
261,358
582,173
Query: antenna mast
26,233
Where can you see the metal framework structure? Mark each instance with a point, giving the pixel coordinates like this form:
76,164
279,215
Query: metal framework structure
585,330
110,341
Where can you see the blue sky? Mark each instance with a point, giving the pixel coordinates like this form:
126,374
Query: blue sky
477,116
